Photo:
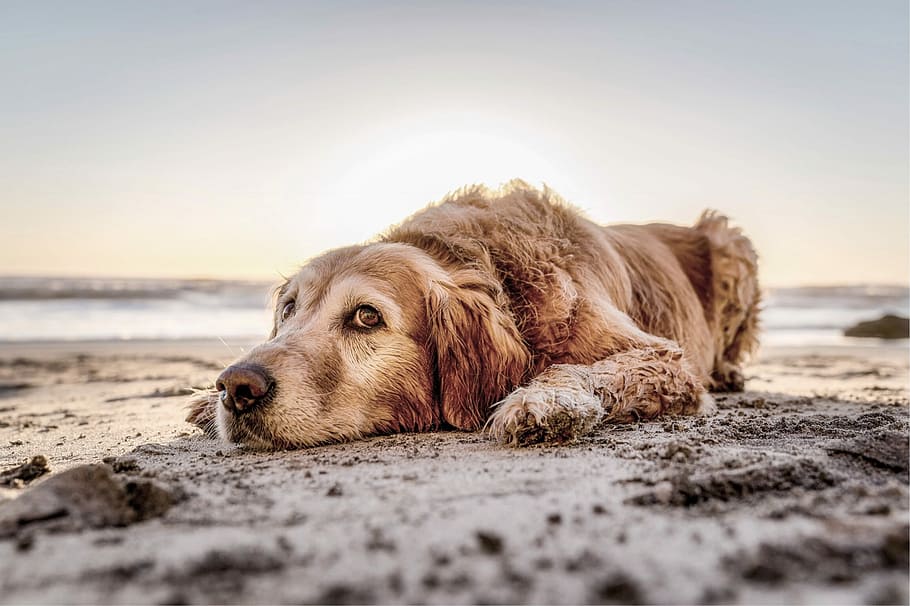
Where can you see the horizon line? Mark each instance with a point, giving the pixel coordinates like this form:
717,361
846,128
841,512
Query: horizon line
280,276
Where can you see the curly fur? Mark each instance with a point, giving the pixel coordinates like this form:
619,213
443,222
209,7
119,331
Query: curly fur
506,309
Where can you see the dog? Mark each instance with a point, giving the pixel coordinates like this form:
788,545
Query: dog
501,310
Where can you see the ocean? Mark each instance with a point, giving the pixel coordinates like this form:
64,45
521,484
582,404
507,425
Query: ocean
82,309
79,309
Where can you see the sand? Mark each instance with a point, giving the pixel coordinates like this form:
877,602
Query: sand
795,491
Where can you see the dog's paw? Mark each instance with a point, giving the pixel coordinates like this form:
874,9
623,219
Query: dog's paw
730,379
706,405
537,414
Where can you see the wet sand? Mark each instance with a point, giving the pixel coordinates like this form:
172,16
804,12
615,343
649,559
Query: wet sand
795,492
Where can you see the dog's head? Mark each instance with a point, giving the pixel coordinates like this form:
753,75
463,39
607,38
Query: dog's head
368,340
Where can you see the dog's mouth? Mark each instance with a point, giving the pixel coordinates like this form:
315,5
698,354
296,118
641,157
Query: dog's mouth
248,429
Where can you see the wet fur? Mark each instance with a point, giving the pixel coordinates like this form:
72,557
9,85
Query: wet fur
511,311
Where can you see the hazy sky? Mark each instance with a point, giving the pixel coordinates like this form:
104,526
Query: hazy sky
236,139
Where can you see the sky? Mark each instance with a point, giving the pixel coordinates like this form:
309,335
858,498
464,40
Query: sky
237,139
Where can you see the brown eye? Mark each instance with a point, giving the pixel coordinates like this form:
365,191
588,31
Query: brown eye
288,310
367,317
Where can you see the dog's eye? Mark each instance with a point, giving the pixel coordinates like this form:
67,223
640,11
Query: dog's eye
288,310
367,317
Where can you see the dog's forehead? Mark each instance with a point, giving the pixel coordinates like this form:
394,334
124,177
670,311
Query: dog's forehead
395,270
312,280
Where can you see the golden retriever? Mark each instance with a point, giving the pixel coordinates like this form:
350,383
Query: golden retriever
499,309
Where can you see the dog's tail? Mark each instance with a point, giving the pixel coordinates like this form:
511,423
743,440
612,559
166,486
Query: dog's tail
736,295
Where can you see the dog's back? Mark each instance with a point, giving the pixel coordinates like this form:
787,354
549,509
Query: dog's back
694,285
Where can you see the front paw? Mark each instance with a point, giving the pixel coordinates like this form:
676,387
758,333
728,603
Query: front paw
537,414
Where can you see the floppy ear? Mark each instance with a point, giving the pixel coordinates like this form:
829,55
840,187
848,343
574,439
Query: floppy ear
480,355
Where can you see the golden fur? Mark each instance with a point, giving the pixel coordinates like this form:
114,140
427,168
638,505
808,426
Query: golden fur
505,309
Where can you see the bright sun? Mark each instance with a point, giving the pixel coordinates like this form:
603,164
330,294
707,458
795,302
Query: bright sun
390,173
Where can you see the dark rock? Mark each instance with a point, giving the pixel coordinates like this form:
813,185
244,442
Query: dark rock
886,327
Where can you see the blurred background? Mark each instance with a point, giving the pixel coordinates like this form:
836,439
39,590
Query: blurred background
162,163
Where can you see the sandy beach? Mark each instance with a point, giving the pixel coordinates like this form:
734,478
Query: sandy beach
796,491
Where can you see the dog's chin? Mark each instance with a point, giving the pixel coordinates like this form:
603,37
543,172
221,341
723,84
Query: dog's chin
273,428
247,430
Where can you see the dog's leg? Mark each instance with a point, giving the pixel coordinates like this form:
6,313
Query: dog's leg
736,299
566,401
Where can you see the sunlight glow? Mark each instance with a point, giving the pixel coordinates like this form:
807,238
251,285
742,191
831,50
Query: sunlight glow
417,161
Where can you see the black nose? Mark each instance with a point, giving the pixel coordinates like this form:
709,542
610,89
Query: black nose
243,386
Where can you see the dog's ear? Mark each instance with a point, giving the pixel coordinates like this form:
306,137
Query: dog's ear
480,356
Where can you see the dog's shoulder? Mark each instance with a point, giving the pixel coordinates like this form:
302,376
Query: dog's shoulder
515,222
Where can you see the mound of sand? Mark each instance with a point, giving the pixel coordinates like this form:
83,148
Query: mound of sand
87,496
